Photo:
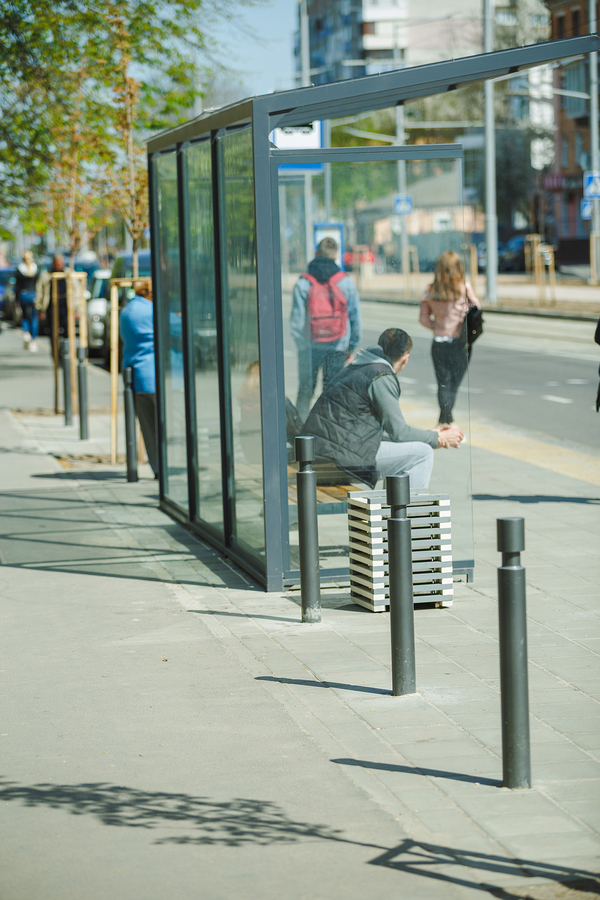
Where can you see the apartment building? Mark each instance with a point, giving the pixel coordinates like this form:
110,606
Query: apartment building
564,185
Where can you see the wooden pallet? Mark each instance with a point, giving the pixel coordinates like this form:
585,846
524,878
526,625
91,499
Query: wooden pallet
429,516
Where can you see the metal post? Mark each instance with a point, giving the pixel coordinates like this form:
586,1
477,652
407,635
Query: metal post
402,615
491,217
66,367
514,693
130,441
83,394
327,170
308,530
594,142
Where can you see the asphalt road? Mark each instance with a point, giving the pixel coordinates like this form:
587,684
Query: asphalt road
538,376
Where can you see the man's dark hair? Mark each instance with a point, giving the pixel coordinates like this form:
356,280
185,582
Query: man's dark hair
327,248
395,343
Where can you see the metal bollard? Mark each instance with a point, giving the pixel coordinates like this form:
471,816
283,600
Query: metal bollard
83,394
402,613
308,530
514,693
130,441
66,367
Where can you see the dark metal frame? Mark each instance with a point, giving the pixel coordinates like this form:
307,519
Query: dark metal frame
291,108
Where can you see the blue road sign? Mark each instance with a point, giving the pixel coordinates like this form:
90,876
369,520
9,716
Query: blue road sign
403,205
586,209
591,185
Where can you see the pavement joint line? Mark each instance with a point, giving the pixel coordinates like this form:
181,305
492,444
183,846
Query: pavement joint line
382,738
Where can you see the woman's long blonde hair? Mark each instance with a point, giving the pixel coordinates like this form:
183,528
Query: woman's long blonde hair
449,277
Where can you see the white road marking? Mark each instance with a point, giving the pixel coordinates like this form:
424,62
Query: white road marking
556,399
577,381
552,384
514,393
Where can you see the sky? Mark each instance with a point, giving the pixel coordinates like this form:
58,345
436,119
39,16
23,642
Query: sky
265,64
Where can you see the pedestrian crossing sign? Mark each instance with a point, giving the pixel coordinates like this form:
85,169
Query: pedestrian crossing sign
403,205
591,185
586,208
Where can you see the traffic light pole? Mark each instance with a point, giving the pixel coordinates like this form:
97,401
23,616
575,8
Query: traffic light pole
491,217
594,150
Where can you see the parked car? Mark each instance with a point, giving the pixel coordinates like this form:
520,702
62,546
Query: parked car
512,258
481,256
5,283
97,309
204,324
122,268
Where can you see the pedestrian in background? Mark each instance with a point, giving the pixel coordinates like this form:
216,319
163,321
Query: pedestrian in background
25,287
325,322
444,306
43,297
137,333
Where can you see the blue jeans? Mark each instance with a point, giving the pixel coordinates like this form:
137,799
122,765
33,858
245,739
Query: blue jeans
315,357
30,313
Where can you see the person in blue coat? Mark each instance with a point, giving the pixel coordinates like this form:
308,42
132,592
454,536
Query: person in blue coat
137,333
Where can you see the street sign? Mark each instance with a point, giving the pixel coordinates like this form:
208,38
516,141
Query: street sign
303,137
591,185
403,205
586,208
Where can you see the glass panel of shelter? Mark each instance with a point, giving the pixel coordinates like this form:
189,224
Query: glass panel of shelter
170,330
240,323
389,251
203,322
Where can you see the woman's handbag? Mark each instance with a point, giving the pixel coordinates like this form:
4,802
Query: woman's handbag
474,324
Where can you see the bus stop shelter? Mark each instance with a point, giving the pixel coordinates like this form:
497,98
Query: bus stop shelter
232,219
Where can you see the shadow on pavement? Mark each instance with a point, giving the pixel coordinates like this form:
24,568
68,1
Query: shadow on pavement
242,822
418,858
324,684
418,770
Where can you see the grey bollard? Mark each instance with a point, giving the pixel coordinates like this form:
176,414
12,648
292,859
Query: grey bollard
66,368
82,392
308,530
514,692
130,440
402,613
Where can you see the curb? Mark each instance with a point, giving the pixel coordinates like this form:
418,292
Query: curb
502,310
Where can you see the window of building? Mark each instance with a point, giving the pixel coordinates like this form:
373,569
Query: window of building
578,147
575,21
576,79
560,26
564,152
368,28
506,17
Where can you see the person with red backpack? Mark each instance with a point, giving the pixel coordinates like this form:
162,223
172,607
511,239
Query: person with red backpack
325,322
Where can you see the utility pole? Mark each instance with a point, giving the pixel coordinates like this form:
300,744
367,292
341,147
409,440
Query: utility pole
594,154
400,140
491,218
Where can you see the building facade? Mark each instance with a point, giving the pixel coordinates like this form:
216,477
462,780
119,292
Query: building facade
353,38
564,185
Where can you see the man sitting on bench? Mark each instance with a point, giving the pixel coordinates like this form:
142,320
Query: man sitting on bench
359,428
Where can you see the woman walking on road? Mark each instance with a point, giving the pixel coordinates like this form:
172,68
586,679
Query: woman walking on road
444,306
25,285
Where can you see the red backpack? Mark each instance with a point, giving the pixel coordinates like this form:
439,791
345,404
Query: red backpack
326,309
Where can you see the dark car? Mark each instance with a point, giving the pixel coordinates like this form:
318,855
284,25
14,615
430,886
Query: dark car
6,286
512,257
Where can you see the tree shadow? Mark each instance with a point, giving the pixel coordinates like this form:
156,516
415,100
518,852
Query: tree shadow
538,498
249,822
231,823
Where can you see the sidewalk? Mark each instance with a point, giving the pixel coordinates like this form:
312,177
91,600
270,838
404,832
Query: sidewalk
174,731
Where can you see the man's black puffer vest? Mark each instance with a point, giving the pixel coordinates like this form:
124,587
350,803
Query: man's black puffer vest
344,424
